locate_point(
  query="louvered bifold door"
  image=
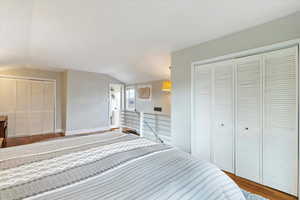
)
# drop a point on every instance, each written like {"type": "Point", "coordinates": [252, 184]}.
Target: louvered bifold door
{"type": "Point", "coordinates": [49, 107]}
{"type": "Point", "coordinates": [223, 115]}
{"type": "Point", "coordinates": [201, 137]}
{"type": "Point", "coordinates": [280, 133]}
{"type": "Point", "coordinates": [23, 94]}
{"type": "Point", "coordinates": [8, 103]}
{"type": "Point", "coordinates": [248, 117]}
{"type": "Point", "coordinates": [37, 107]}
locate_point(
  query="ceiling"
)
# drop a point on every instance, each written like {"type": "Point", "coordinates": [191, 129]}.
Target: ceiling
{"type": "Point", "coordinates": [130, 40]}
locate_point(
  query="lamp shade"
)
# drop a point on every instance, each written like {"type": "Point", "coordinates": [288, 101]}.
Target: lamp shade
{"type": "Point", "coordinates": [166, 86]}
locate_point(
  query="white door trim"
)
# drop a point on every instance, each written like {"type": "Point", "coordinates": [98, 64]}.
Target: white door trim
{"type": "Point", "coordinates": [121, 102]}
{"type": "Point", "coordinates": [249, 52]}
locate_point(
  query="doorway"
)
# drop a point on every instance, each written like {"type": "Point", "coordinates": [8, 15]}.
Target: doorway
{"type": "Point", "coordinates": [115, 104]}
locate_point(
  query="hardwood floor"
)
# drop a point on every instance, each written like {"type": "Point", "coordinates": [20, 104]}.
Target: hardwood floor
{"type": "Point", "coordinates": [10, 142]}
{"type": "Point", "coordinates": [92, 133]}
{"type": "Point", "coordinates": [130, 131]}
{"type": "Point", "coordinates": [259, 189]}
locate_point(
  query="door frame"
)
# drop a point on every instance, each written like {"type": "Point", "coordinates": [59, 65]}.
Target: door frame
{"type": "Point", "coordinates": [122, 99]}
{"type": "Point", "coordinates": [245, 53]}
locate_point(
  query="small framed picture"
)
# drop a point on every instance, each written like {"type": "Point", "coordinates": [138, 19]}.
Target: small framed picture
{"type": "Point", "coordinates": [145, 92]}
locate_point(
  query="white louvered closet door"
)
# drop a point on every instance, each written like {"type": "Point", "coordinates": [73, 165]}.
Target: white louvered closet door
{"type": "Point", "coordinates": [8, 103]}
{"type": "Point", "coordinates": [37, 107]}
{"type": "Point", "coordinates": [23, 93]}
{"type": "Point", "coordinates": [49, 107]}
{"type": "Point", "coordinates": [223, 116]}
{"type": "Point", "coordinates": [29, 105]}
{"type": "Point", "coordinates": [201, 139]}
{"type": "Point", "coordinates": [280, 134]}
{"type": "Point", "coordinates": [248, 118]}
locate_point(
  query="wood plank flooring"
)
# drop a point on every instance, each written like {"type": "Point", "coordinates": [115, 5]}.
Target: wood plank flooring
{"type": "Point", "coordinates": [16, 141]}
{"type": "Point", "coordinates": [259, 189]}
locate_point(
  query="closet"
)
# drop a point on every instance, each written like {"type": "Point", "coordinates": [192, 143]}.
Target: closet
{"type": "Point", "coordinates": [245, 117]}
{"type": "Point", "coordinates": [248, 117]}
{"type": "Point", "coordinates": [222, 116]}
{"type": "Point", "coordinates": [29, 105]}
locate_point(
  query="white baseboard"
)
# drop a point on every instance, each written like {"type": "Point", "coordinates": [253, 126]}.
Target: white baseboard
{"type": "Point", "coordinates": [92, 130]}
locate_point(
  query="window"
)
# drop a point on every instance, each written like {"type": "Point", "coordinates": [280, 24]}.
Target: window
{"type": "Point", "coordinates": [130, 98]}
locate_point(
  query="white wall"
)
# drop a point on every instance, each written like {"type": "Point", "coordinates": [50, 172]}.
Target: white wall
{"type": "Point", "coordinates": [15, 28]}
{"type": "Point", "coordinates": [87, 100]}
{"type": "Point", "coordinates": [273, 32]}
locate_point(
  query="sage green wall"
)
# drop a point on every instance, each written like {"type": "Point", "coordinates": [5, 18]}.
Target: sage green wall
{"type": "Point", "coordinates": [43, 74]}
{"type": "Point", "coordinates": [159, 99]}
{"type": "Point", "coordinates": [87, 100]}
{"type": "Point", "coordinates": [276, 31]}
{"type": "Point", "coordinates": [81, 97]}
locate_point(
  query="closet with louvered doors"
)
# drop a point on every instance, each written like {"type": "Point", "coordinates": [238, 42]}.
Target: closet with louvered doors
{"type": "Point", "coordinates": [42, 107]}
{"type": "Point", "coordinates": [202, 101]}
{"type": "Point", "coordinates": [249, 107]}
{"type": "Point", "coordinates": [29, 106]}
{"type": "Point", "coordinates": [280, 120]}
{"type": "Point", "coordinates": [223, 115]}
{"type": "Point", "coordinates": [214, 113]}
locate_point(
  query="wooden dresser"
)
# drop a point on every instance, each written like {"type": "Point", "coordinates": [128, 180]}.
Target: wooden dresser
{"type": "Point", "coordinates": [3, 133]}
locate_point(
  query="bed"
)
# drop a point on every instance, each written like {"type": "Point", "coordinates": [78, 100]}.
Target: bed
{"type": "Point", "coordinates": [109, 166]}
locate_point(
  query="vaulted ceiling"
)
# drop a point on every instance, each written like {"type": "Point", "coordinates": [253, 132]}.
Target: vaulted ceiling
{"type": "Point", "coordinates": [130, 40]}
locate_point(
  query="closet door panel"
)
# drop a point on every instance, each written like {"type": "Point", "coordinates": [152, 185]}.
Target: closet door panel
{"type": "Point", "coordinates": [48, 122]}
{"type": "Point", "coordinates": [49, 106]}
{"type": "Point", "coordinates": [22, 107]}
{"type": "Point", "coordinates": [37, 96]}
{"type": "Point", "coordinates": [280, 138]}
{"type": "Point", "coordinates": [201, 137]}
{"type": "Point", "coordinates": [223, 122]}
{"type": "Point", "coordinates": [248, 117]}
{"type": "Point", "coordinates": [49, 101]}
{"type": "Point", "coordinates": [37, 107]}
{"type": "Point", "coordinates": [8, 103]}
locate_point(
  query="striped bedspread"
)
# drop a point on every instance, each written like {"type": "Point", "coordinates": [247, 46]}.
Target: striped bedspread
{"type": "Point", "coordinates": [109, 166]}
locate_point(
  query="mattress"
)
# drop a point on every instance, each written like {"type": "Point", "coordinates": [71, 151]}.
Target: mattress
{"type": "Point", "coordinates": [109, 166]}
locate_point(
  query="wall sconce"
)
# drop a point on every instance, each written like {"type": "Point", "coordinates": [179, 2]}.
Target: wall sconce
{"type": "Point", "coordinates": [166, 86]}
